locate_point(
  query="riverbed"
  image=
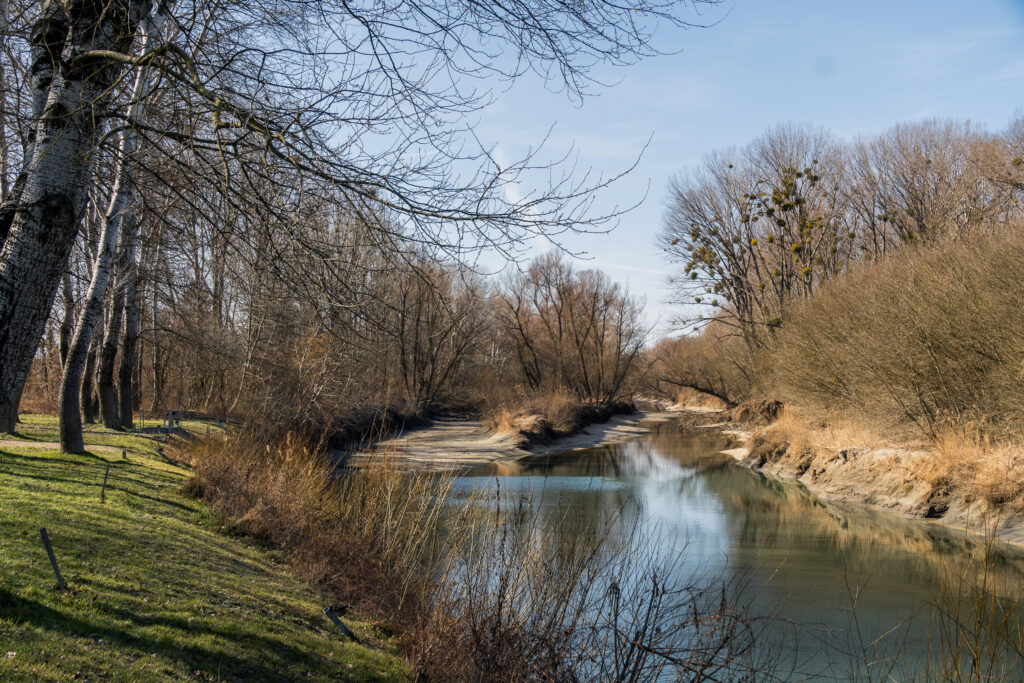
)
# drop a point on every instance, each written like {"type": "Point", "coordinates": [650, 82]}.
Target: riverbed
{"type": "Point", "coordinates": [848, 590]}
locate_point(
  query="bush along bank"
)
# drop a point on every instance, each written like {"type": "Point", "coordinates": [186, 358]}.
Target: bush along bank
{"type": "Point", "coordinates": [474, 588]}
{"type": "Point", "coordinates": [541, 419]}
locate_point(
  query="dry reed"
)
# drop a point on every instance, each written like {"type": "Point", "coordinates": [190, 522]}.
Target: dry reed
{"type": "Point", "coordinates": [476, 587]}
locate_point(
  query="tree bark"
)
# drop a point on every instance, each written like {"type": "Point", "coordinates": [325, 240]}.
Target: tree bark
{"type": "Point", "coordinates": [13, 415]}
{"type": "Point", "coordinates": [108, 356]}
{"type": "Point", "coordinates": [68, 408]}
{"type": "Point", "coordinates": [66, 327]}
{"type": "Point", "coordinates": [125, 392]}
{"type": "Point", "coordinates": [130, 295]}
{"type": "Point", "coordinates": [158, 385]}
{"type": "Point", "coordinates": [89, 403]}
{"type": "Point", "coordinates": [47, 213]}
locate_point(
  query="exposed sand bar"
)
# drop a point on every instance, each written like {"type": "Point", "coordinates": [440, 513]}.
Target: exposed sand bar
{"type": "Point", "coordinates": [453, 444]}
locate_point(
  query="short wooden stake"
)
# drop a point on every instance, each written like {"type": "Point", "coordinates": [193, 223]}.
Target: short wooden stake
{"type": "Point", "coordinates": [103, 491]}
{"type": "Point", "coordinates": [334, 616]}
{"type": "Point", "coordinates": [53, 559]}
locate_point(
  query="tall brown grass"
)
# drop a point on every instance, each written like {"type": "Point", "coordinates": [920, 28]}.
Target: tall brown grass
{"type": "Point", "coordinates": [986, 470]}
{"type": "Point", "coordinates": [476, 587]}
{"type": "Point", "coordinates": [962, 464]}
{"type": "Point", "coordinates": [364, 538]}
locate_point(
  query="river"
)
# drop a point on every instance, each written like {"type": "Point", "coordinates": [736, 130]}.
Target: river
{"type": "Point", "coordinates": [850, 591]}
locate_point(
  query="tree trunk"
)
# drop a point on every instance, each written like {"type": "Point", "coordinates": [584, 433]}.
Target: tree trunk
{"type": "Point", "coordinates": [108, 355]}
{"type": "Point", "coordinates": [13, 416]}
{"type": "Point", "coordinates": [158, 385]}
{"type": "Point", "coordinates": [125, 392]}
{"type": "Point", "coordinates": [89, 403]}
{"type": "Point", "coordinates": [48, 211]}
{"type": "Point", "coordinates": [130, 275]}
{"type": "Point", "coordinates": [68, 404]}
{"type": "Point", "coordinates": [65, 324]}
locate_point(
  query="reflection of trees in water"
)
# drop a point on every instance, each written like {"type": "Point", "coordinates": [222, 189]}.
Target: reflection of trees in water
{"type": "Point", "coordinates": [763, 523]}
{"type": "Point", "coordinates": [762, 512]}
{"type": "Point", "coordinates": [768, 512]}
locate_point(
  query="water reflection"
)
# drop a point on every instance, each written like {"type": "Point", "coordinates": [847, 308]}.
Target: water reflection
{"type": "Point", "coordinates": [847, 577]}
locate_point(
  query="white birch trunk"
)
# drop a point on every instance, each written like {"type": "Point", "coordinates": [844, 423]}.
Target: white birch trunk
{"type": "Point", "coordinates": [69, 408]}
{"type": "Point", "coordinates": [47, 212]}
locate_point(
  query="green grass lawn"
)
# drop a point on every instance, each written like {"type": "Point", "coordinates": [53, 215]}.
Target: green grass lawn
{"type": "Point", "coordinates": [156, 591]}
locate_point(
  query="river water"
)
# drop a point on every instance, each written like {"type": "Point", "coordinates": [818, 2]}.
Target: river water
{"type": "Point", "coordinates": [851, 592]}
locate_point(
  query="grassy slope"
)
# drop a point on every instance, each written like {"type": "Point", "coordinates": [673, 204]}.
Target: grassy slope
{"type": "Point", "coordinates": [156, 591]}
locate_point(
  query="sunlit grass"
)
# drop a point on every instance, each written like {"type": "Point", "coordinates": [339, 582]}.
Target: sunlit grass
{"type": "Point", "coordinates": [156, 589]}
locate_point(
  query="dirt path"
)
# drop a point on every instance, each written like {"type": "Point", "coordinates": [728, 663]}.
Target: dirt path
{"type": "Point", "coordinates": [53, 446]}
{"type": "Point", "coordinates": [451, 443]}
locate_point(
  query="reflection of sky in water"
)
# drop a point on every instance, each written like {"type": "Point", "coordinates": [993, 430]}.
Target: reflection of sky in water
{"type": "Point", "coordinates": [798, 558]}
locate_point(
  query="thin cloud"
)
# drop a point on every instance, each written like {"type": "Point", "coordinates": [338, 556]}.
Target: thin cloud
{"type": "Point", "coordinates": [1010, 73]}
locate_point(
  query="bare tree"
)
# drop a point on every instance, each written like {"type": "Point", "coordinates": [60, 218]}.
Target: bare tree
{"type": "Point", "coordinates": [572, 330]}
{"type": "Point", "coordinates": [757, 228]}
{"type": "Point", "coordinates": [71, 87]}
{"type": "Point", "coordinates": [368, 102]}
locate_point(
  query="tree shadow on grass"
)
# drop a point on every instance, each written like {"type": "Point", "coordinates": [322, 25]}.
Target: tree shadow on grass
{"type": "Point", "coordinates": [277, 657]}
{"type": "Point", "coordinates": [119, 474]}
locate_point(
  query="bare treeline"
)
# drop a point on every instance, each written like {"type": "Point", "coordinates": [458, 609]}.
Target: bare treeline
{"type": "Point", "coordinates": [572, 330]}
{"type": "Point", "coordinates": [348, 342]}
{"type": "Point", "coordinates": [756, 228]}
{"type": "Point", "coordinates": [169, 169]}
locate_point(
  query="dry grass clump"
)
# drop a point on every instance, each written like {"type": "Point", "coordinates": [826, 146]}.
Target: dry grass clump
{"type": "Point", "coordinates": [927, 337]}
{"type": "Point", "coordinates": [757, 411]}
{"type": "Point", "coordinates": [364, 538]}
{"type": "Point", "coordinates": [973, 464]}
{"type": "Point", "coordinates": [544, 417]}
{"type": "Point", "coordinates": [802, 428]}
{"type": "Point", "coordinates": [960, 464]}
{"type": "Point", "coordinates": [692, 398]}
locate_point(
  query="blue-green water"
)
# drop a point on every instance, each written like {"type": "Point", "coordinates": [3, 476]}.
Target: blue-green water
{"type": "Point", "coordinates": [850, 589]}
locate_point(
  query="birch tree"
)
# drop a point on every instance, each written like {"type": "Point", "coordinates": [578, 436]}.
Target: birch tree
{"type": "Point", "coordinates": [72, 81]}
{"type": "Point", "coordinates": [117, 216]}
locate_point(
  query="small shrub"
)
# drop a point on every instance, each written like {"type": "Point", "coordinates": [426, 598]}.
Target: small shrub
{"type": "Point", "coordinates": [542, 418]}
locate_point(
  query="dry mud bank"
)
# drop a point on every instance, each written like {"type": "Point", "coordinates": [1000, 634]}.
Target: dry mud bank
{"type": "Point", "coordinates": [885, 478]}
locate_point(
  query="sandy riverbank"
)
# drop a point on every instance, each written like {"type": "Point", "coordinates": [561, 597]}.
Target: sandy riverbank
{"type": "Point", "coordinates": [453, 443]}
{"type": "Point", "coordinates": [877, 478]}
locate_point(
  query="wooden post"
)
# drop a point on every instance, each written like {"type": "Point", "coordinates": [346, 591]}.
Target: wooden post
{"type": "Point", "coordinates": [333, 616]}
{"type": "Point", "coordinates": [103, 491]}
{"type": "Point", "coordinates": [53, 559]}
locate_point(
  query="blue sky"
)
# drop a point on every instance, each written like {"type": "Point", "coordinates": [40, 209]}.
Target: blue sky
{"type": "Point", "coordinates": [852, 67]}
